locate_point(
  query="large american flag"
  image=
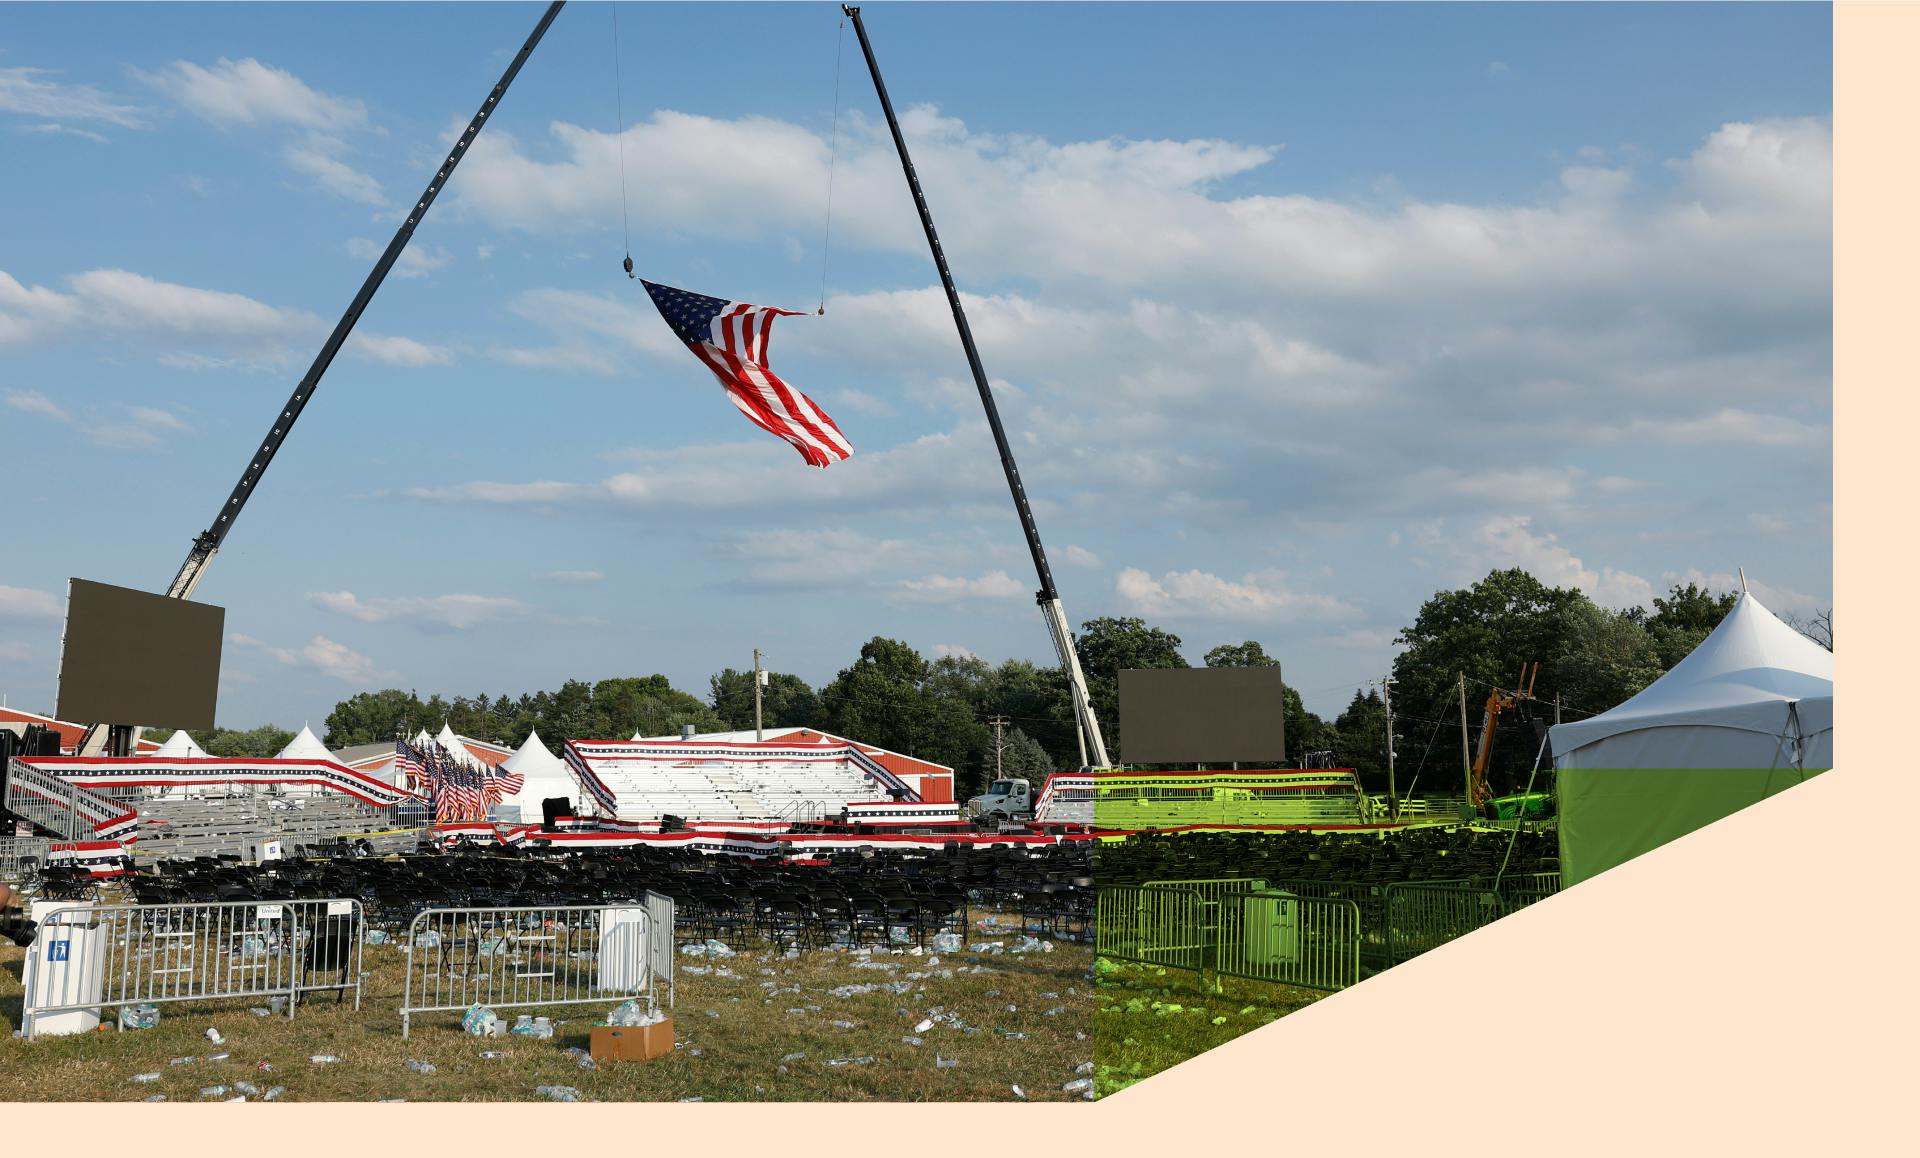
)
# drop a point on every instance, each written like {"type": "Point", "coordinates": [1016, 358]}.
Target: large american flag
{"type": "Point", "coordinates": [731, 338]}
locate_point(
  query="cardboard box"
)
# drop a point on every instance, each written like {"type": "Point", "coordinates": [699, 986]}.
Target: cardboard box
{"type": "Point", "coordinates": [631, 1042]}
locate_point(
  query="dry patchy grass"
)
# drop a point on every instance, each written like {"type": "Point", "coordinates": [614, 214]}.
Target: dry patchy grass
{"type": "Point", "coordinates": [732, 1036]}
{"type": "Point", "coordinates": [1150, 1019]}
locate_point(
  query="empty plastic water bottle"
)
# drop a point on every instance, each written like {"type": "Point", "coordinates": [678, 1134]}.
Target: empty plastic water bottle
{"type": "Point", "coordinates": [1077, 1084]}
{"type": "Point", "coordinates": [222, 1056]}
{"type": "Point", "coordinates": [213, 1091]}
{"type": "Point", "coordinates": [792, 1057]}
{"type": "Point", "coordinates": [273, 1093]}
{"type": "Point", "coordinates": [157, 1098]}
{"type": "Point", "coordinates": [420, 1067]}
{"type": "Point", "coordinates": [183, 1061]}
{"type": "Point", "coordinates": [321, 1059]}
{"type": "Point", "coordinates": [493, 1054]}
{"type": "Point", "coordinates": [843, 1025]}
{"type": "Point", "coordinates": [1019, 1093]}
{"type": "Point", "coordinates": [246, 1087]}
{"type": "Point", "coordinates": [558, 1093]}
{"type": "Point", "coordinates": [913, 1041]}
{"type": "Point", "coordinates": [143, 1078]}
{"type": "Point", "coordinates": [1083, 1068]}
{"type": "Point", "coordinates": [213, 1035]}
{"type": "Point", "coordinates": [139, 1016]}
{"type": "Point", "coordinates": [944, 1063]}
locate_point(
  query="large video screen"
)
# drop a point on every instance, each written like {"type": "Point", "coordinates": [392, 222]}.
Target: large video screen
{"type": "Point", "coordinates": [133, 657]}
{"type": "Point", "coordinates": [1211, 715]}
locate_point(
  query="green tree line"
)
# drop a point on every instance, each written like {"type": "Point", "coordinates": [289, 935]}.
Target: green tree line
{"type": "Point", "coordinates": [938, 709]}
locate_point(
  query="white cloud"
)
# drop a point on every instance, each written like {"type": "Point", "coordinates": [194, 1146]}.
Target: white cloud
{"type": "Point", "coordinates": [574, 576]}
{"type": "Point", "coordinates": [398, 351]}
{"type": "Point", "coordinates": [15, 651]}
{"type": "Point", "coordinates": [247, 92]}
{"type": "Point", "coordinates": [417, 260]}
{"type": "Point", "coordinates": [54, 128]}
{"type": "Point", "coordinates": [1779, 600]}
{"type": "Point", "coordinates": [1262, 597]}
{"type": "Point", "coordinates": [431, 612]}
{"type": "Point", "coordinates": [1510, 541]}
{"type": "Point", "coordinates": [861, 402]}
{"type": "Point", "coordinates": [321, 164]}
{"type": "Point", "coordinates": [1081, 557]}
{"type": "Point", "coordinates": [34, 402]}
{"type": "Point", "coordinates": [958, 588]}
{"type": "Point", "coordinates": [1768, 524]}
{"type": "Point", "coordinates": [27, 90]}
{"type": "Point", "coordinates": [26, 603]}
{"type": "Point", "coordinates": [321, 654]}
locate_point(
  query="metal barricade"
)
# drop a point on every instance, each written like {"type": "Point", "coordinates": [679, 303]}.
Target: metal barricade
{"type": "Point", "coordinates": [90, 956]}
{"type": "Point", "coordinates": [1423, 916]}
{"type": "Point", "coordinates": [661, 918]}
{"type": "Point", "coordinates": [1370, 899]}
{"type": "Point", "coordinates": [1154, 924]}
{"type": "Point", "coordinates": [1289, 940]}
{"type": "Point", "coordinates": [1518, 890]}
{"type": "Point", "coordinates": [524, 957]}
{"type": "Point", "coordinates": [21, 857]}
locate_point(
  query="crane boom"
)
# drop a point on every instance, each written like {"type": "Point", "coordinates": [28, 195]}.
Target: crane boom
{"type": "Point", "coordinates": [1093, 745]}
{"type": "Point", "coordinates": [207, 543]}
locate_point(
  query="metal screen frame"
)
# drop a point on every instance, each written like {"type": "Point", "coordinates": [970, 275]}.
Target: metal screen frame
{"type": "Point", "coordinates": [216, 951]}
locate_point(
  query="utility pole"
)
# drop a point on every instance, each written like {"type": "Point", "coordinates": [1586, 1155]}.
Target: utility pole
{"type": "Point", "coordinates": [999, 746]}
{"type": "Point", "coordinates": [759, 681]}
{"type": "Point", "coordinates": [1466, 748]}
{"type": "Point", "coordinates": [1393, 795]}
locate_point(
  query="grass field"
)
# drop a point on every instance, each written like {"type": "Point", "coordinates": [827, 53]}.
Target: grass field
{"type": "Point", "coordinates": [1150, 1019]}
{"type": "Point", "coordinates": [733, 1031]}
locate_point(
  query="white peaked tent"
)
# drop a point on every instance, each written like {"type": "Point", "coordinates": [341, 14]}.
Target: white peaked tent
{"type": "Point", "coordinates": [305, 746]}
{"type": "Point", "coordinates": [546, 776]}
{"type": "Point", "coordinates": [446, 739]}
{"type": "Point", "coordinates": [1747, 714]}
{"type": "Point", "coordinates": [180, 746]}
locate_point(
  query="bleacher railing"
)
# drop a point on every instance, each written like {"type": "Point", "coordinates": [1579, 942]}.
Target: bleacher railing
{"type": "Point", "coordinates": [89, 956]}
{"type": "Point", "coordinates": [534, 957]}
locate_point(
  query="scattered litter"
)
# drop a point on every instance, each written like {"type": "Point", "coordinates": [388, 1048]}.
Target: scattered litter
{"type": "Point", "coordinates": [558, 1093]}
{"type": "Point", "coordinates": [924, 1026]}
{"type": "Point", "coordinates": [945, 1063]}
{"type": "Point", "coordinates": [585, 1061]}
{"type": "Point", "coordinates": [213, 1035]}
{"type": "Point", "coordinates": [1056, 1011]}
{"type": "Point", "coordinates": [246, 1087]}
{"type": "Point", "coordinates": [987, 947]}
{"type": "Point", "coordinates": [143, 1078]}
{"type": "Point", "coordinates": [1076, 1085]}
{"type": "Point", "coordinates": [428, 940]}
{"type": "Point", "coordinates": [1219, 1021]}
{"type": "Point", "coordinates": [261, 1011]}
{"type": "Point", "coordinates": [843, 1025]}
{"type": "Point", "coordinates": [1083, 1068]}
{"type": "Point", "coordinates": [157, 1098]}
{"type": "Point", "coordinates": [223, 1056]}
{"type": "Point", "coordinates": [946, 942]}
{"type": "Point", "coordinates": [479, 1021]}
{"type": "Point", "coordinates": [1010, 1036]}
{"type": "Point", "coordinates": [213, 1091]}
{"type": "Point", "coordinates": [139, 1016]}
{"type": "Point", "coordinates": [792, 1057]}
{"type": "Point", "coordinates": [273, 1093]}
{"type": "Point", "coordinates": [183, 1061]}
{"type": "Point", "coordinates": [1019, 1093]}
{"type": "Point", "coordinates": [913, 1041]}
{"type": "Point", "coordinates": [376, 936]}
{"type": "Point", "coordinates": [850, 1061]}
{"type": "Point", "coordinates": [321, 1059]}
{"type": "Point", "coordinates": [420, 1067]}
{"type": "Point", "coordinates": [493, 1054]}
{"type": "Point", "coordinates": [696, 1099]}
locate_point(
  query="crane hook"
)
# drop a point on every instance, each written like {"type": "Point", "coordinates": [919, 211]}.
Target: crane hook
{"type": "Point", "coordinates": [628, 265]}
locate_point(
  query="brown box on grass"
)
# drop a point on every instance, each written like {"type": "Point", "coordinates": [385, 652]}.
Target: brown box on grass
{"type": "Point", "coordinates": [631, 1042]}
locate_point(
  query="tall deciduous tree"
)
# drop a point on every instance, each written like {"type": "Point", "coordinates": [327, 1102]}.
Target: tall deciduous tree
{"type": "Point", "coordinates": [1684, 617]}
{"type": "Point", "coordinates": [786, 702]}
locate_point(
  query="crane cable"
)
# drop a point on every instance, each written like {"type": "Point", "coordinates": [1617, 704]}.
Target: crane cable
{"type": "Point", "coordinates": [833, 152]}
{"type": "Point", "coordinates": [620, 137]}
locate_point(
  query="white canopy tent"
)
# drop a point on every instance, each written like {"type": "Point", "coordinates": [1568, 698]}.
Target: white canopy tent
{"type": "Point", "coordinates": [1747, 714]}
{"type": "Point", "coordinates": [180, 746]}
{"type": "Point", "coordinates": [305, 746]}
{"type": "Point", "coordinates": [546, 776]}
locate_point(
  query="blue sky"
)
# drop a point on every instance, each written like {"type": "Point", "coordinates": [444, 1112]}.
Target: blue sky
{"type": "Point", "coordinates": [1298, 314]}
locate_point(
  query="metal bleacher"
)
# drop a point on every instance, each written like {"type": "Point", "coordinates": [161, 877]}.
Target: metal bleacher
{"type": "Point", "coordinates": [183, 827]}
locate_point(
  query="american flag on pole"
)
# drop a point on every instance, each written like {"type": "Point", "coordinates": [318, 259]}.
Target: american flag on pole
{"type": "Point", "coordinates": [408, 765]}
{"type": "Point", "coordinates": [731, 338]}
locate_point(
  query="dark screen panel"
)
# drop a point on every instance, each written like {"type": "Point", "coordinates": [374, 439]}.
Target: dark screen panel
{"type": "Point", "coordinates": [133, 657]}
{"type": "Point", "coordinates": [1203, 715]}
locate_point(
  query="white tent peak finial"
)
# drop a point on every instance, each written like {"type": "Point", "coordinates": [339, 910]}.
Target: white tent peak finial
{"type": "Point", "coordinates": [1743, 579]}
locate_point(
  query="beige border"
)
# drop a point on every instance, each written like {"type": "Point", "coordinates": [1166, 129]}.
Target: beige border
{"type": "Point", "coordinates": [1758, 1009]}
